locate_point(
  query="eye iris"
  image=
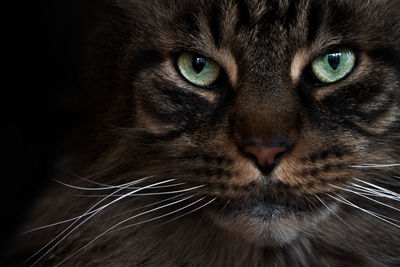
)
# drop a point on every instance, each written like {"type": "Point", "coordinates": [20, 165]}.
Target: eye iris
{"type": "Point", "coordinates": [198, 64]}
{"type": "Point", "coordinates": [333, 66]}
{"type": "Point", "coordinates": [334, 60]}
{"type": "Point", "coordinates": [197, 69]}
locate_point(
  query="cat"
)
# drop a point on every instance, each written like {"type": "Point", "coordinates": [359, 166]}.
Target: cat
{"type": "Point", "coordinates": [230, 133]}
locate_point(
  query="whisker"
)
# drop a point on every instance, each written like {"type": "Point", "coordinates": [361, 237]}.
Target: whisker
{"type": "Point", "coordinates": [376, 165]}
{"type": "Point", "coordinates": [369, 189]}
{"type": "Point", "coordinates": [150, 194]}
{"type": "Point", "coordinates": [93, 211]}
{"type": "Point", "coordinates": [386, 217]}
{"type": "Point", "coordinates": [146, 206]}
{"type": "Point", "coordinates": [334, 213]}
{"type": "Point", "coordinates": [195, 229]}
{"type": "Point", "coordinates": [372, 192]}
{"type": "Point", "coordinates": [58, 223]}
{"type": "Point", "coordinates": [102, 208]}
{"type": "Point", "coordinates": [190, 212]}
{"type": "Point", "coordinates": [379, 187]}
{"type": "Point", "coordinates": [368, 211]}
{"type": "Point", "coordinates": [95, 189]}
{"type": "Point", "coordinates": [345, 201]}
{"type": "Point", "coordinates": [108, 196]}
{"type": "Point", "coordinates": [87, 212]}
{"type": "Point", "coordinates": [77, 218]}
{"type": "Point", "coordinates": [165, 186]}
{"type": "Point", "coordinates": [309, 203]}
{"type": "Point", "coordinates": [226, 204]}
{"type": "Point", "coordinates": [374, 200]}
{"type": "Point", "coordinates": [161, 216]}
{"type": "Point", "coordinates": [108, 185]}
{"type": "Point", "coordinates": [116, 225]}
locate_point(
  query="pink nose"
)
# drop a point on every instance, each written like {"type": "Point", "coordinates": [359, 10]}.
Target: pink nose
{"type": "Point", "coordinates": [265, 156]}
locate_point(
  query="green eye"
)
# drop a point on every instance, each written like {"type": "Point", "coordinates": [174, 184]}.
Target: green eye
{"type": "Point", "coordinates": [197, 69]}
{"type": "Point", "coordinates": [333, 66]}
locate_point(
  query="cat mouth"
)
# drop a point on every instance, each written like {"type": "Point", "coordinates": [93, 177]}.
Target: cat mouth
{"type": "Point", "coordinates": [268, 221]}
{"type": "Point", "coordinates": [265, 211]}
{"type": "Point", "coordinates": [264, 224]}
{"type": "Point", "coordinates": [269, 206]}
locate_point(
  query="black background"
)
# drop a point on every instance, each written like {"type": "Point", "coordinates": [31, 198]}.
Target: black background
{"type": "Point", "coordinates": [41, 43]}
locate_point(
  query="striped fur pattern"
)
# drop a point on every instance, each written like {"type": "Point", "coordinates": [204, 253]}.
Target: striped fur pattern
{"type": "Point", "coordinates": [158, 177]}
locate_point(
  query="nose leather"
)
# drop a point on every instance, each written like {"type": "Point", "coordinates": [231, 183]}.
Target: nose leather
{"type": "Point", "coordinates": [265, 155]}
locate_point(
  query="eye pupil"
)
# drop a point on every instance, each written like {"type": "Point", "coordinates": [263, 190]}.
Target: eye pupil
{"type": "Point", "coordinates": [198, 63]}
{"type": "Point", "coordinates": [334, 60]}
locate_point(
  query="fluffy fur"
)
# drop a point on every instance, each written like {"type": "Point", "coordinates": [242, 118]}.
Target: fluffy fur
{"type": "Point", "coordinates": [333, 199]}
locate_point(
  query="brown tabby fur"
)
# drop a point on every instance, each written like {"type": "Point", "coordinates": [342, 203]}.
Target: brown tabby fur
{"type": "Point", "coordinates": [146, 121]}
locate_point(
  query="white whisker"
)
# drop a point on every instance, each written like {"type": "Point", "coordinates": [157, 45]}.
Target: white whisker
{"type": "Point", "coordinates": [60, 222]}
{"type": "Point", "coordinates": [102, 208]}
{"type": "Point", "coordinates": [96, 189]}
{"type": "Point", "coordinates": [165, 186]}
{"type": "Point", "coordinates": [226, 204]}
{"type": "Point", "coordinates": [116, 225]}
{"type": "Point", "coordinates": [372, 192]}
{"type": "Point", "coordinates": [345, 201]}
{"type": "Point", "coordinates": [87, 212]}
{"type": "Point", "coordinates": [93, 211]}
{"type": "Point", "coordinates": [76, 219]}
{"type": "Point", "coordinates": [334, 213]}
{"type": "Point", "coordinates": [146, 206]}
{"type": "Point", "coordinates": [108, 185]}
{"type": "Point", "coordinates": [376, 165]}
{"type": "Point", "coordinates": [109, 196]}
{"type": "Point", "coordinates": [180, 216]}
{"type": "Point", "coordinates": [150, 194]}
{"type": "Point", "coordinates": [381, 188]}
{"type": "Point", "coordinates": [161, 216]}
{"type": "Point", "coordinates": [361, 195]}
{"type": "Point", "coordinates": [369, 189]}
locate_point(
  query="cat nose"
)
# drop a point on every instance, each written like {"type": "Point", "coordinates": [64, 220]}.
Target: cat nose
{"type": "Point", "coordinates": [266, 156]}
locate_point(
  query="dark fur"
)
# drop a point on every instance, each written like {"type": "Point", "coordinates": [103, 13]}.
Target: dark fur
{"type": "Point", "coordinates": [143, 123]}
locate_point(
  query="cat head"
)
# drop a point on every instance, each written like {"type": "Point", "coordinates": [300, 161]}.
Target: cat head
{"type": "Point", "coordinates": [278, 115]}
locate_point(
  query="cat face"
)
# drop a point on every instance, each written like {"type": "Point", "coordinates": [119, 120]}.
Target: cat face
{"type": "Point", "coordinates": [277, 114]}
{"type": "Point", "coordinates": [235, 132]}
